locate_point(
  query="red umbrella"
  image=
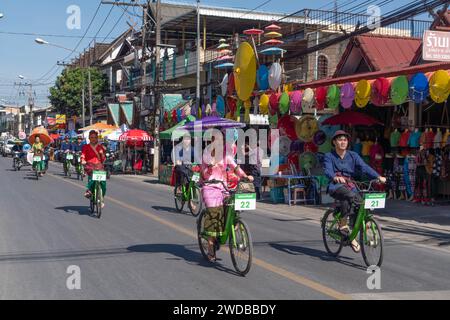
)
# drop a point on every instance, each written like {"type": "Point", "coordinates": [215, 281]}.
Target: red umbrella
{"type": "Point", "coordinates": [253, 32]}
{"type": "Point", "coordinates": [352, 118]}
{"type": "Point", "coordinates": [135, 135]}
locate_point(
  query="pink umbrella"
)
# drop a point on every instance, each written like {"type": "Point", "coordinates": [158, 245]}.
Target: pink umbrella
{"type": "Point", "coordinates": [226, 57]}
{"type": "Point", "coordinates": [296, 102]}
{"type": "Point", "coordinates": [272, 27]}
{"type": "Point", "coordinates": [273, 42]}
{"type": "Point", "coordinates": [135, 135]}
{"type": "Point", "coordinates": [253, 32]}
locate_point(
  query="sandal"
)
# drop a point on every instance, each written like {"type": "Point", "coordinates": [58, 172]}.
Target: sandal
{"type": "Point", "coordinates": [88, 194]}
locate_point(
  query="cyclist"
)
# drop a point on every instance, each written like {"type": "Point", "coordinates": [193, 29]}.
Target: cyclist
{"type": "Point", "coordinates": [215, 168]}
{"type": "Point", "coordinates": [38, 149]}
{"type": "Point", "coordinates": [93, 157]}
{"type": "Point", "coordinates": [77, 148]}
{"type": "Point", "coordinates": [66, 147]}
{"type": "Point", "coordinates": [182, 158]}
{"type": "Point", "coordinates": [341, 166]}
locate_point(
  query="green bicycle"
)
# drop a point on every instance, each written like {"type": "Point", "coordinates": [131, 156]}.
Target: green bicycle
{"type": "Point", "coordinates": [79, 167]}
{"type": "Point", "coordinates": [236, 231]}
{"type": "Point", "coordinates": [37, 166]}
{"type": "Point", "coordinates": [190, 194]}
{"type": "Point", "coordinates": [96, 199]}
{"type": "Point", "coordinates": [68, 164]}
{"type": "Point", "coordinates": [369, 230]}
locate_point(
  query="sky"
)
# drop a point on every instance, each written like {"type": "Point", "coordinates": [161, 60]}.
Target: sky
{"type": "Point", "coordinates": [20, 55]}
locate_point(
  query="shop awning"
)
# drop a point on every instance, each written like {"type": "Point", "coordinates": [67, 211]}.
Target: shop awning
{"type": "Point", "coordinates": [114, 110]}
{"type": "Point", "coordinates": [428, 67]}
{"type": "Point", "coordinates": [127, 109]}
{"type": "Point", "coordinates": [173, 133]}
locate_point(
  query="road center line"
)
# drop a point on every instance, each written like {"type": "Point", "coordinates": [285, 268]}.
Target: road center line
{"type": "Point", "coordinates": [261, 263]}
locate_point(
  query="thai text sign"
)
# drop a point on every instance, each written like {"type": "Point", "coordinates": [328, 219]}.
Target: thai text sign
{"type": "Point", "coordinates": [436, 46]}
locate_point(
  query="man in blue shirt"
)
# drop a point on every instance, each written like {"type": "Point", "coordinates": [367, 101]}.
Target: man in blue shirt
{"type": "Point", "coordinates": [66, 147]}
{"type": "Point", "coordinates": [76, 147]}
{"type": "Point", "coordinates": [341, 167]}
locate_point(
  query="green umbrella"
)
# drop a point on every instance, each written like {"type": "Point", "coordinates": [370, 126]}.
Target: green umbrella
{"type": "Point", "coordinates": [284, 103]}
{"type": "Point", "coordinates": [333, 96]}
{"type": "Point", "coordinates": [399, 90]}
{"type": "Point", "coordinates": [173, 133]}
{"type": "Point", "coordinates": [308, 160]}
{"type": "Point", "coordinates": [273, 120]}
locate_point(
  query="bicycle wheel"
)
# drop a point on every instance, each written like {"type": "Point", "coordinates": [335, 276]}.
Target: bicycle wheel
{"type": "Point", "coordinates": [196, 203]}
{"type": "Point", "coordinates": [372, 247]}
{"type": "Point", "coordinates": [99, 200]}
{"type": "Point", "coordinates": [178, 197]}
{"type": "Point", "coordinates": [37, 173]}
{"type": "Point", "coordinates": [202, 239]}
{"type": "Point", "coordinates": [332, 238]}
{"type": "Point", "coordinates": [241, 250]}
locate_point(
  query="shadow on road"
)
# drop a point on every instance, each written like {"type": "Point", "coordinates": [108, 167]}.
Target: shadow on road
{"type": "Point", "coordinates": [168, 209]}
{"type": "Point", "coordinates": [322, 255]}
{"type": "Point", "coordinates": [153, 182]}
{"type": "Point", "coordinates": [180, 251]}
{"type": "Point", "coordinates": [81, 210]}
{"type": "Point", "coordinates": [444, 237]}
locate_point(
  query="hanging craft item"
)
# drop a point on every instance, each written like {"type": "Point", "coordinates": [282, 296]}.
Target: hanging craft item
{"type": "Point", "coordinates": [308, 160]}
{"type": "Point", "coordinates": [264, 101]}
{"type": "Point", "coordinates": [319, 138]}
{"type": "Point", "coordinates": [224, 85]}
{"type": "Point", "coordinates": [245, 71]}
{"type": "Point", "coordinates": [380, 91]}
{"type": "Point", "coordinates": [275, 76]}
{"type": "Point", "coordinates": [262, 78]}
{"type": "Point", "coordinates": [273, 34]}
{"type": "Point", "coordinates": [286, 125]}
{"type": "Point", "coordinates": [272, 27]}
{"type": "Point", "coordinates": [231, 84]}
{"type": "Point", "coordinates": [347, 95]}
{"type": "Point", "coordinates": [232, 106]}
{"type": "Point", "coordinates": [253, 32]}
{"type": "Point", "coordinates": [284, 103]}
{"type": "Point", "coordinates": [308, 99]}
{"type": "Point", "coordinates": [399, 90]}
{"type": "Point", "coordinates": [418, 87]}
{"type": "Point", "coordinates": [439, 86]}
{"type": "Point", "coordinates": [273, 51]}
{"type": "Point", "coordinates": [247, 107]}
{"type": "Point", "coordinates": [220, 106]}
{"type": "Point", "coordinates": [284, 145]}
{"type": "Point", "coordinates": [362, 93]}
{"type": "Point", "coordinates": [333, 96]}
{"type": "Point", "coordinates": [306, 128]}
{"type": "Point", "coordinates": [274, 103]}
{"type": "Point", "coordinates": [273, 42]}
{"type": "Point", "coordinates": [296, 102]}
{"type": "Point", "coordinates": [297, 146]}
{"type": "Point", "coordinates": [321, 97]}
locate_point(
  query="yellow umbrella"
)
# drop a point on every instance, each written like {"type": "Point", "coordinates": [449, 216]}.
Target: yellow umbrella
{"type": "Point", "coordinates": [362, 93]}
{"type": "Point", "coordinates": [245, 71]}
{"type": "Point", "coordinates": [439, 84]}
{"type": "Point", "coordinates": [264, 104]}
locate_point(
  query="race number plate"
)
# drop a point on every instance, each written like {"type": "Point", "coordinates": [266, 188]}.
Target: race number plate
{"type": "Point", "coordinates": [99, 176]}
{"type": "Point", "coordinates": [196, 177]}
{"type": "Point", "coordinates": [245, 201]}
{"type": "Point", "coordinates": [69, 157]}
{"type": "Point", "coordinates": [375, 201]}
{"type": "Point", "coordinates": [36, 159]}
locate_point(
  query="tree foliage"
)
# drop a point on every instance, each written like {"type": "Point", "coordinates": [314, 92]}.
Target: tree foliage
{"type": "Point", "coordinates": [66, 94]}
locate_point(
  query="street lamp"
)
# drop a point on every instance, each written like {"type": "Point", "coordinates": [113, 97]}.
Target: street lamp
{"type": "Point", "coordinates": [42, 41]}
{"type": "Point", "coordinates": [21, 77]}
{"type": "Point", "coordinates": [1, 15]}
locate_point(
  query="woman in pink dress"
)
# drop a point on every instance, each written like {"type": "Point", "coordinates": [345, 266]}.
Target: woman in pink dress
{"type": "Point", "coordinates": [214, 167]}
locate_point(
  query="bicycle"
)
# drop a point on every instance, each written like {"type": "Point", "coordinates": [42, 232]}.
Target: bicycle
{"type": "Point", "coordinates": [364, 224]}
{"type": "Point", "coordinates": [37, 165]}
{"type": "Point", "coordinates": [190, 194]}
{"type": "Point", "coordinates": [79, 167]}
{"type": "Point", "coordinates": [67, 164]}
{"type": "Point", "coordinates": [96, 198]}
{"type": "Point", "coordinates": [236, 231]}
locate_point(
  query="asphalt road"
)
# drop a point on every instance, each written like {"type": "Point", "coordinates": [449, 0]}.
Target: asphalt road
{"type": "Point", "coordinates": [142, 249]}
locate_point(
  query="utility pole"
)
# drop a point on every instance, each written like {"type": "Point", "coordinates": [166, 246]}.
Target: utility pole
{"type": "Point", "coordinates": [197, 100]}
{"type": "Point", "coordinates": [30, 101]}
{"type": "Point", "coordinates": [156, 91]}
{"type": "Point", "coordinates": [90, 98]}
{"type": "Point", "coordinates": [144, 59]}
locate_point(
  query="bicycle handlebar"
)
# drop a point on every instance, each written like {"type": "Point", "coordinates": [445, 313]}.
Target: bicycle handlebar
{"type": "Point", "coordinates": [223, 184]}
{"type": "Point", "coordinates": [369, 187]}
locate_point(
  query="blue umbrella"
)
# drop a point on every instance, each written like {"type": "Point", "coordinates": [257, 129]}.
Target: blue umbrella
{"type": "Point", "coordinates": [418, 87]}
{"type": "Point", "coordinates": [227, 65]}
{"type": "Point", "coordinates": [273, 51]}
{"type": "Point", "coordinates": [262, 77]}
{"type": "Point", "coordinates": [220, 106]}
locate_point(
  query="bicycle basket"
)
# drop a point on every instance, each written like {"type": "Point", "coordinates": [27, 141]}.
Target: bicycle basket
{"type": "Point", "coordinates": [245, 187]}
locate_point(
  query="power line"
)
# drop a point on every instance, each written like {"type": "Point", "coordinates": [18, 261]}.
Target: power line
{"type": "Point", "coordinates": [43, 35]}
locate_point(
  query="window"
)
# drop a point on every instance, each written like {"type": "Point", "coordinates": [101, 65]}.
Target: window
{"type": "Point", "coordinates": [322, 67]}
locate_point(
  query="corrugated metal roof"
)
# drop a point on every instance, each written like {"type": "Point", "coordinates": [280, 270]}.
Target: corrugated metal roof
{"type": "Point", "coordinates": [381, 53]}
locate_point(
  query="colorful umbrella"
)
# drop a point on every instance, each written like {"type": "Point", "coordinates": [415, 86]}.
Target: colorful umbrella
{"type": "Point", "coordinates": [362, 93]}
{"type": "Point", "coordinates": [273, 42]}
{"type": "Point", "coordinates": [223, 46]}
{"type": "Point", "coordinates": [43, 135]}
{"type": "Point", "coordinates": [321, 97]}
{"type": "Point", "coordinates": [296, 102]}
{"type": "Point", "coordinates": [352, 118]}
{"type": "Point", "coordinates": [264, 101]}
{"type": "Point", "coordinates": [284, 103]}
{"type": "Point", "coordinates": [333, 96]}
{"type": "Point", "coordinates": [227, 65]}
{"type": "Point", "coordinates": [273, 34]}
{"type": "Point", "coordinates": [272, 27]}
{"type": "Point", "coordinates": [418, 87]}
{"type": "Point", "coordinates": [284, 145]}
{"type": "Point", "coordinates": [308, 160]}
{"type": "Point", "coordinates": [274, 103]}
{"type": "Point", "coordinates": [245, 71]}
{"type": "Point", "coordinates": [286, 124]}
{"type": "Point", "coordinates": [99, 127]}
{"type": "Point", "coordinates": [135, 135]}
{"type": "Point", "coordinates": [272, 51]}
{"type": "Point", "coordinates": [253, 32]}
{"type": "Point", "coordinates": [273, 120]}
{"type": "Point", "coordinates": [347, 95]}
{"type": "Point", "coordinates": [308, 99]}
{"type": "Point", "coordinates": [399, 90]}
{"type": "Point", "coordinates": [439, 84]}
{"type": "Point", "coordinates": [220, 106]}
{"type": "Point", "coordinates": [262, 77]}
{"type": "Point", "coordinates": [380, 91]}
{"type": "Point", "coordinates": [306, 128]}
{"type": "Point", "coordinates": [297, 146]}
{"type": "Point", "coordinates": [275, 76]}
